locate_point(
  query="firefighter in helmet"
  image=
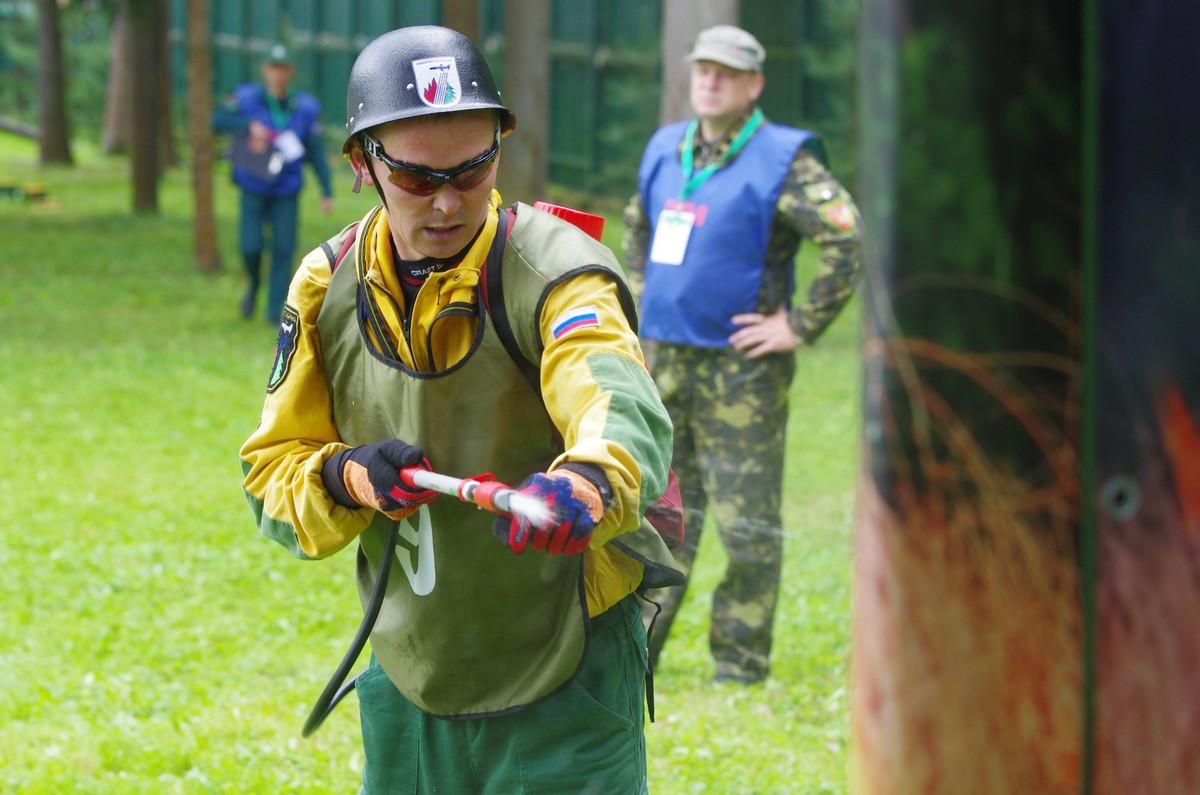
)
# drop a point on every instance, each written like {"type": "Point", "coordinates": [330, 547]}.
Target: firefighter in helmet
{"type": "Point", "coordinates": [506, 656]}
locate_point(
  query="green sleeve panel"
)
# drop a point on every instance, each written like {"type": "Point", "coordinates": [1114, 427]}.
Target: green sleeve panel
{"type": "Point", "coordinates": [636, 419]}
{"type": "Point", "coordinates": [280, 532]}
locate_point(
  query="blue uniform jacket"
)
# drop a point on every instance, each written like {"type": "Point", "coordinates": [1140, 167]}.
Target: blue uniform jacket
{"type": "Point", "coordinates": [248, 103]}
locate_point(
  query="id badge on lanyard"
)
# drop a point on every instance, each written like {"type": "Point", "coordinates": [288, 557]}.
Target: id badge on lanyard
{"type": "Point", "coordinates": [671, 235]}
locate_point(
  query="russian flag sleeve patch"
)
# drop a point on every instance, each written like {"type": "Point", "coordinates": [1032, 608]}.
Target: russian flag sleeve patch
{"type": "Point", "coordinates": [573, 320]}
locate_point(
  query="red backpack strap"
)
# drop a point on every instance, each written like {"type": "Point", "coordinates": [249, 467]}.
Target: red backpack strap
{"type": "Point", "coordinates": [335, 259]}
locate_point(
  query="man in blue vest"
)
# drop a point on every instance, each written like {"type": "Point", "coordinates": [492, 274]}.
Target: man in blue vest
{"type": "Point", "coordinates": [275, 131]}
{"type": "Point", "coordinates": [724, 201]}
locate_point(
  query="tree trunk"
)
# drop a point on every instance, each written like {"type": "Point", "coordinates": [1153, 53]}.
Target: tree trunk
{"type": "Point", "coordinates": [117, 104]}
{"type": "Point", "coordinates": [52, 110]}
{"type": "Point", "coordinates": [527, 64]}
{"type": "Point", "coordinates": [167, 154]}
{"type": "Point", "coordinates": [463, 16]}
{"type": "Point", "coordinates": [145, 110]}
{"type": "Point", "coordinates": [200, 135]}
{"type": "Point", "coordinates": [969, 673]}
{"type": "Point", "coordinates": [682, 20]}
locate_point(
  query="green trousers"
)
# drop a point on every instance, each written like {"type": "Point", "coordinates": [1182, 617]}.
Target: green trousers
{"type": "Point", "coordinates": [587, 738]}
{"type": "Point", "coordinates": [281, 213]}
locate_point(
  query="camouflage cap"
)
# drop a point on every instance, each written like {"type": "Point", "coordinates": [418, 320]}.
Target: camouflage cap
{"type": "Point", "coordinates": [731, 46]}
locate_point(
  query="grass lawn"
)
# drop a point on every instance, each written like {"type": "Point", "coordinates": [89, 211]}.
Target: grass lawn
{"type": "Point", "coordinates": [152, 642]}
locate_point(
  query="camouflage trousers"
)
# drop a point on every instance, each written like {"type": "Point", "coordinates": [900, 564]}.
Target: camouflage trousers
{"type": "Point", "coordinates": [730, 417]}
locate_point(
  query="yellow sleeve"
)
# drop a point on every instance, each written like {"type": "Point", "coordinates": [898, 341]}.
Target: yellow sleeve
{"type": "Point", "coordinates": [600, 396]}
{"type": "Point", "coordinates": [282, 459]}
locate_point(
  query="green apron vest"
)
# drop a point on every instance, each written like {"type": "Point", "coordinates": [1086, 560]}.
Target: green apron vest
{"type": "Point", "coordinates": [467, 628]}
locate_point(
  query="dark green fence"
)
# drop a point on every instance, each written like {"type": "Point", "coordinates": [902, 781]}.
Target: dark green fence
{"type": "Point", "coordinates": [606, 80]}
{"type": "Point", "coordinates": [605, 67]}
{"type": "Point", "coordinates": [324, 37]}
{"type": "Point", "coordinates": [18, 61]}
{"type": "Point", "coordinates": [811, 50]}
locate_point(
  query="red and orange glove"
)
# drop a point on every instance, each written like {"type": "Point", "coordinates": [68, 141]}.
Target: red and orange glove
{"type": "Point", "coordinates": [369, 476]}
{"type": "Point", "coordinates": [576, 502]}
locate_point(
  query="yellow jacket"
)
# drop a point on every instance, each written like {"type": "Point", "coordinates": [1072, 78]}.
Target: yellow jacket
{"type": "Point", "coordinates": [282, 460]}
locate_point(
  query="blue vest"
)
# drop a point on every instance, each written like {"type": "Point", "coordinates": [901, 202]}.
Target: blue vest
{"type": "Point", "coordinates": [721, 272]}
{"type": "Point", "coordinates": [252, 105]}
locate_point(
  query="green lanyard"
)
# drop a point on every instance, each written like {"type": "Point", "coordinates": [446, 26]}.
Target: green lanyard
{"type": "Point", "coordinates": [279, 117]}
{"type": "Point", "coordinates": [693, 180]}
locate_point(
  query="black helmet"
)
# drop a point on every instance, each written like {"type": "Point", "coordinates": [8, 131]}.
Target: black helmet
{"type": "Point", "coordinates": [416, 71]}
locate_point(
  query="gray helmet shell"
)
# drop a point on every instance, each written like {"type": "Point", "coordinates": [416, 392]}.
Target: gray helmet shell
{"type": "Point", "coordinates": [417, 71]}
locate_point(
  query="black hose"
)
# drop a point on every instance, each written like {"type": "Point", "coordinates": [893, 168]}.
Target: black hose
{"type": "Point", "coordinates": [335, 691]}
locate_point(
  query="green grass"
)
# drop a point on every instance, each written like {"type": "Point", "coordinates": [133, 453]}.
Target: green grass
{"type": "Point", "coordinates": [152, 642]}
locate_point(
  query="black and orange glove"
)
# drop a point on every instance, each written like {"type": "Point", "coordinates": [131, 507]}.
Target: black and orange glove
{"type": "Point", "coordinates": [576, 502]}
{"type": "Point", "coordinates": [369, 476]}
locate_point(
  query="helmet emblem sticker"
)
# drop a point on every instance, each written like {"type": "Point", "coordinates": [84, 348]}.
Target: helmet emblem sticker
{"type": "Point", "coordinates": [437, 79]}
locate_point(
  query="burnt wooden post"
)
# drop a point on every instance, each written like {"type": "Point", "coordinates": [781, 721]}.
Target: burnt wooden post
{"type": "Point", "coordinates": [1028, 543]}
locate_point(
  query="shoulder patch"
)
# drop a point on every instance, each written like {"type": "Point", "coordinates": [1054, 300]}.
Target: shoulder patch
{"type": "Point", "coordinates": [837, 213]}
{"type": "Point", "coordinates": [573, 320]}
{"type": "Point", "coordinates": [285, 347]}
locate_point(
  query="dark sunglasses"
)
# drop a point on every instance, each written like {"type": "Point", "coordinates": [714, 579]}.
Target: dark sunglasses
{"type": "Point", "coordinates": [423, 181]}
